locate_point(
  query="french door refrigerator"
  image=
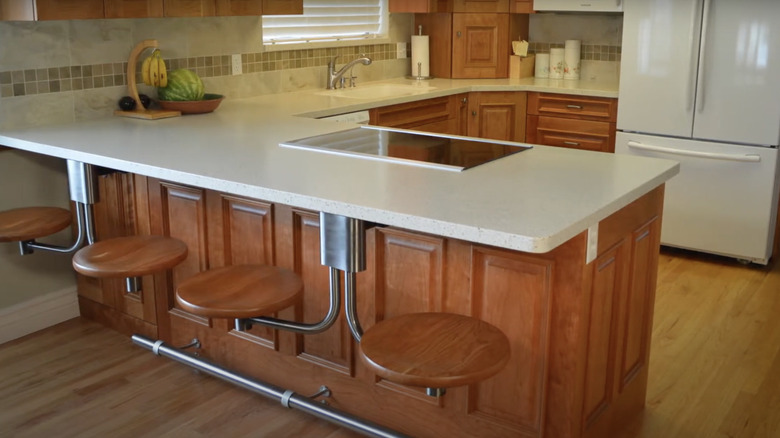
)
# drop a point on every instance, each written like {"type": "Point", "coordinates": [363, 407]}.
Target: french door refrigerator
{"type": "Point", "coordinates": [700, 84]}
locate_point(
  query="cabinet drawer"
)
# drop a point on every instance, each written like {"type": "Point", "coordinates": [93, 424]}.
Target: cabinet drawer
{"type": "Point", "coordinates": [577, 107]}
{"type": "Point", "coordinates": [576, 134]}
{"type": "Point", "coordinates": [412, 114]}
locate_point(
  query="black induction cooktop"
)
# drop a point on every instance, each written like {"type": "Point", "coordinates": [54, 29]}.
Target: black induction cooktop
{"type": "Point", "coordinates": [410, 147]}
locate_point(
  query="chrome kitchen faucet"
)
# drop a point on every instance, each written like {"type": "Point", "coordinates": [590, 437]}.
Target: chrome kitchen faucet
{"type": "Point", "coordinates": [334, 75]}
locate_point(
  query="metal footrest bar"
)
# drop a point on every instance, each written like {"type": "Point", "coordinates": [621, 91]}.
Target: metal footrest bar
{"type": "Point", "coordinates": [287, 397]}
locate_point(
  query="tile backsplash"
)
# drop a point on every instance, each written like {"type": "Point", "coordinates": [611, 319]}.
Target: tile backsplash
{"type": "Point", "coordinates": [59, 71]}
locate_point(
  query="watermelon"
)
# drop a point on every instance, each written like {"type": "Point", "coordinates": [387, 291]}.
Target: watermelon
{"type": "Point", "coordinates": [183, 85]}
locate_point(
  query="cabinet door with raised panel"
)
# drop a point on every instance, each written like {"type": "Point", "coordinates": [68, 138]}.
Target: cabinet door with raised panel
{"type": "Point", "coordinates": [480, 45]}
{"type": "Point", "coordinates": [481, 6]}
{"type": "Point", "coordinates": [133, 8]}
{"type": "Point", "coordinates": [499, 115]}
{"type": "Point", "coordinates": [68, 9]}
{"type": "Point", "coordinates": [189, 8]}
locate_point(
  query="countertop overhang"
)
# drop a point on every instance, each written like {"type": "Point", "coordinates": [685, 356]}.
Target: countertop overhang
{"type": "Point", "coordinates": [530, 202]}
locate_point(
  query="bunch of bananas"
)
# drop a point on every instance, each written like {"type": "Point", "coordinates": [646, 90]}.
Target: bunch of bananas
{"type": "Point", "coordinates": [153, 71]}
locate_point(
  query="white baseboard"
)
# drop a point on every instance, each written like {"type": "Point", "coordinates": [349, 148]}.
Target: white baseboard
{"type": "Point", "coordinates": [38, 313]}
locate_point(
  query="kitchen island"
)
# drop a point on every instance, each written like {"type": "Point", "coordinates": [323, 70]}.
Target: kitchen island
{"type": "Point", "coordinates": [556, 247]}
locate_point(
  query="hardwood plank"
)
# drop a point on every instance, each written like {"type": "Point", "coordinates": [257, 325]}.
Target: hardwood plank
{"type": "Point", "coordinates": [82, 379]}
{"type": "Point", "coordinates": [714, 371]}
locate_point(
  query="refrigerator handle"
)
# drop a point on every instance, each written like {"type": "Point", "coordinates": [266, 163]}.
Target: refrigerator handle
{"type": "Point", "coordinates": [702, 56]}
{"type": "Point", "coordinates": [690, 92]}
{"type": "Point", "coordinates": [750, 158]}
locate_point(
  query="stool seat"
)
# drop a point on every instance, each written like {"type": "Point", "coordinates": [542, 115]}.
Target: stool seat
{"type": "Point", "coordinates": [240, 291]}
{"type": "Point", "coordinates": [131, 256]}
{"type": "Point", "coordinates": [434, 350]}
{"type": "Point", "coordinates": [29, 223]}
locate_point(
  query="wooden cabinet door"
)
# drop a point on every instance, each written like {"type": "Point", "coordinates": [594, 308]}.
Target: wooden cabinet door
{"type": "Point", "coordinates": [480, 46]}
{"type": "Point", "coordinates": [282, 7]}
{"type": "Point", "coordinates": [234, 8]}
{"type": "Point", "coordinates": [521, 6]}
{"type": "Point", "coordinates": [498, 115]}
{"type": "Point", "coordinates": [189, 8]}
{"type": "Point", "coordinates": [69, 9]}
{"type": "Point", "coordinates": [133, 8]}
{"type": "Point", "coordinates": [481, 6]}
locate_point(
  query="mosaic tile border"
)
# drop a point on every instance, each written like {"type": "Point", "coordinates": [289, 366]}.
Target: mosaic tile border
{"type": "Point", "coordinates": [588, 52]}
{"type": "Point", "coordinates": [14, 83]}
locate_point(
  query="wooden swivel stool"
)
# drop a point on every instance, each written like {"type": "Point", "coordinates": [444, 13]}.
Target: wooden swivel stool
{"type": "Point", "coordinates": [22, 224]}
{"type": "Point", "coordinates": [240, 291]}
{"type": "Point", "coordinates": [434, 350]}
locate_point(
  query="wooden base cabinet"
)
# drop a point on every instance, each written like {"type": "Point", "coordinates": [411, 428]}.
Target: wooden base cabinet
{"type": "Point", "coordinates": [579, 332]}
{"type": "Point", "coordinates": [578, 122]}
{"type": "Point", "coordinates": [497, 115]}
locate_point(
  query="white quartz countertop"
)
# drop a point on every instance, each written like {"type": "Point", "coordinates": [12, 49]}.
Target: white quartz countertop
{"type": "Point", "coordinates": [532, 201]}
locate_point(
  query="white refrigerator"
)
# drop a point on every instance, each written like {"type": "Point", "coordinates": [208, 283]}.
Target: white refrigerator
{"type": "Point", "coordinates": [700, 84]}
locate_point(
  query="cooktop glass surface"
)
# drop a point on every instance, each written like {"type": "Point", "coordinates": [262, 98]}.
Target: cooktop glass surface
{"type": "Point", "coordinates": [410, 147]}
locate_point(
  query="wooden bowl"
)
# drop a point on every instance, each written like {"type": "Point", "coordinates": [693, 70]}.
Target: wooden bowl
{"type": "Point", "coordinates": [209, 103]}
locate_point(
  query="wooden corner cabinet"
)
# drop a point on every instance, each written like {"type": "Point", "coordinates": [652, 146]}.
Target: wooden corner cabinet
{"type": "Point", "coordinates": [579, 331]}
{"type": "Point", "coordinates": [579, 122]}
{"type": "Point", "coordinates": [29, 10]}
{"type": "Point", "coordinates": [471, 45]}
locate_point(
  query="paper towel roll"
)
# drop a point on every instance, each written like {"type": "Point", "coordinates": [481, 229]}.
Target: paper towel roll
{"type": "Point", "coordinates": [556, 63]}
{"type": "Point", "coordinates": [421, 64]}
{"type": "Point", "coordinates": [571, 59]}
{"type": "Point", "coordinates": [542, 67]}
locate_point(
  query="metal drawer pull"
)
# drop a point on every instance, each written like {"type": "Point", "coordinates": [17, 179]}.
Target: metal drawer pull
{"type": "Point", "coordinates": [571, 143]}
{"type": "Point", "coordinates": [715, 156]}
{"type": "Point", "coordinates": [574, 106]}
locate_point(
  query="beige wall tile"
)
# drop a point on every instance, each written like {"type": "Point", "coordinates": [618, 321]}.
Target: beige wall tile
{"type": "Point", "coordinates": [27, 111]}
{"type": "Point", "coordinates": [100, 41]}
{"type": "Point", "coordinates": [26, 45]}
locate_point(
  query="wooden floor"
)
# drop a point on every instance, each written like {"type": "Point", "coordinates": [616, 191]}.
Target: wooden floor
{"type": "Point", "coordinates": [715, 372]}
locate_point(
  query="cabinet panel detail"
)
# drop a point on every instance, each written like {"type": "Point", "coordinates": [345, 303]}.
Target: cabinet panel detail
{"type": "Point", "coordinates": [333, 348]}
{"type": "Point", "coordinates": [514, 294]}
{"type": "Point", "coordinates": [638, 312]}
{"type": "Point", "coordinates": [608, 280]}
{"type": "Point", "coordinates": [480, 45]}
{"type": "Point", "coordinates": [409, 273]}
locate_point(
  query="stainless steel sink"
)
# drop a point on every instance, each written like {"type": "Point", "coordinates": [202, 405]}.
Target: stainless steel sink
{"type": "Point", "coordinates": [378, 91]}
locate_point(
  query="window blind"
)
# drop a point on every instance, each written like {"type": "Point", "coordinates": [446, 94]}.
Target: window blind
{"type": "Point", "coordinates": [324, 20]}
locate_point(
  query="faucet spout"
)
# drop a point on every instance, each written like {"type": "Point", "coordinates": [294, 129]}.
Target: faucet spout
{"type": "Point", "coordinates": [334, 76]}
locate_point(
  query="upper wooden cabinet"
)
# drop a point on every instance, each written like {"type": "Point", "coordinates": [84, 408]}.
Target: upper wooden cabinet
{"type": "Point", "coordinates": [28, 10]}
{"type": "Point", "coordinates": [68, 9]}
{"type": "Point", "coordinates": [279, 7]}
{"type": "Point", "coordinates": [497, 6]}
{"type": "Point", "coordinates": [473, 45]}
{"type": "Point", "coordinates": [429, 6]}
{"type": "Point", "coordinates": [133, 8]}
{"type": "Point", "coordinates": [189, 8]}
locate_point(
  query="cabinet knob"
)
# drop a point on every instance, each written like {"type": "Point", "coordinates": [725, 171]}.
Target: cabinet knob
{"type": "Point", "coordinates": [458, 34]}
{"type": "Point", "coordinates": [474, 113]}
{"type": "Point", "coordinates": [465, 100]}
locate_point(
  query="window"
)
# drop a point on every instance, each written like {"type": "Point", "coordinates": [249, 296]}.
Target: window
{"type": "Point", "coordinates": [328, 21]}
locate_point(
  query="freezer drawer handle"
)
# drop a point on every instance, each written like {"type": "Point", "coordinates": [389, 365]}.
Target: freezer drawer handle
{"type": "Point", "coordinates": [729, 157]}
